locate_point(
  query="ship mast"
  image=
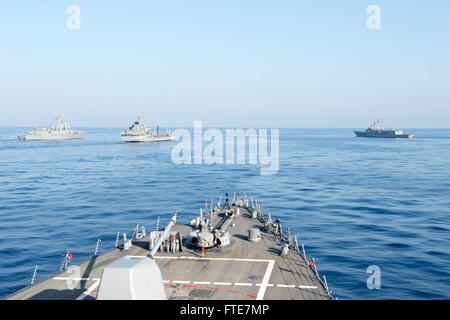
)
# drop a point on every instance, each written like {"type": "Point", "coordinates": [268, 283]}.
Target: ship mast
{"type": "Point", "coordinates": [377, 124]}
{"type": "Point", "coordinates": [380, 123]}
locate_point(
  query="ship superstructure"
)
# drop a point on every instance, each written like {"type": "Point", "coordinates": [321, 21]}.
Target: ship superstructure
{"type": "Point", "coordinates": [60, 131]}
{"type": "Point", "coordinates": [376, 130]}
{"type": "Point", "coordinates": [139, 132]}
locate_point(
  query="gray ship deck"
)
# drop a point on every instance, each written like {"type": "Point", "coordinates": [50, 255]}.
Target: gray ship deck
{"type": "Point", "coordinates": [243, 270]}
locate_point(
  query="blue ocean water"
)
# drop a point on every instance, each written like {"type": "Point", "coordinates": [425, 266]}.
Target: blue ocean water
{"type": "Point", "coordinates": [353, 202]}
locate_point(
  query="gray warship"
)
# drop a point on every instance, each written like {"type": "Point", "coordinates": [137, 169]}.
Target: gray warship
{"type": "Point", "coordinates": [376, 130]}
{"type": "Point", "coordinates": [230, 251]}
{"type": "Point", "coordinates": [60, 131]}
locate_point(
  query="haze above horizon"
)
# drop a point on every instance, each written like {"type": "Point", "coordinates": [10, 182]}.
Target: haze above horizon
{"type": "Point", "coordinates": [263, 63]}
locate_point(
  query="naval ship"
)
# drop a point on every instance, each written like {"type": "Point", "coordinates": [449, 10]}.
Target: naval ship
{"type": "Point", "coordinates": [376, 130]}
{"type": "Point", "coordinates": [139, 132]}
{"type": "Point", "coordinates": [60, 131]}
{"type": "Point", "coordinates": [230, 251]}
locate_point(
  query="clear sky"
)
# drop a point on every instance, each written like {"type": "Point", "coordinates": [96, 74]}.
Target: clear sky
{"type": "Point", "coordinates": [230, 63]}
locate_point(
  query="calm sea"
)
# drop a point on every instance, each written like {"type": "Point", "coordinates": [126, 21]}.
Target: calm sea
{"type": "Point", "coordinates": [353, 202]}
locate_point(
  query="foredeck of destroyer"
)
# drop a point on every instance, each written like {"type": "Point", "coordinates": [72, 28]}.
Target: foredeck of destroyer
{"type": "Point", "coordinates": [243, 270]}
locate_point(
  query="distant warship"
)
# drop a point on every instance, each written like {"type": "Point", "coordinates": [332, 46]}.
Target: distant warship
{"type": "Point", "coordinates": [139, 132]}
{"type": "Point", "coordinates": [376, 130]}
{"type": "Point", "coordinates": [60, 131]}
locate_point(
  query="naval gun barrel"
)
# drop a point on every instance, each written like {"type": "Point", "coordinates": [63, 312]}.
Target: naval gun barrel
{"type": "Point", "coordinates": [163, 236]}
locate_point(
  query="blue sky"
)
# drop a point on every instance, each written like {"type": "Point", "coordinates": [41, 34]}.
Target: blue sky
{"type": "Point", "coordinates": [277, 63]}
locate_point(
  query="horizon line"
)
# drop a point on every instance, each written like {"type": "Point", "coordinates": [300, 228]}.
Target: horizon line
{"type": "Point", "coordinates": [228, 127]}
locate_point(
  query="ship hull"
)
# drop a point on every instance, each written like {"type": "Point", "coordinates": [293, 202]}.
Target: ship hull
{"type": "Point", "coordinates": [146, 138]}
{"type": "Point", "coordinates": [28, 137]}
{"type": "Point", "coordinates": [382, 135]}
